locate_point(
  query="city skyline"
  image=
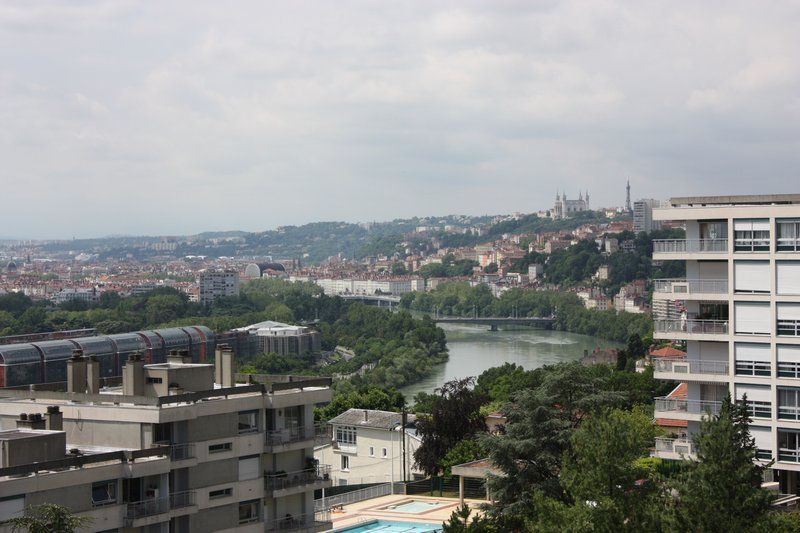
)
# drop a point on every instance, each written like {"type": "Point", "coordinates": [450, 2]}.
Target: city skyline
{"type": "Point", "coordinates": [145, 119]}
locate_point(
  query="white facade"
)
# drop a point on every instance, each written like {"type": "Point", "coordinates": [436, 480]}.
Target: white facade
{"type": "Point", "coordinates": [370, 286]}
{"type": "Point", "coordinates": [739, 314]}
{"type": "Point", "coordinates": [214, 285]}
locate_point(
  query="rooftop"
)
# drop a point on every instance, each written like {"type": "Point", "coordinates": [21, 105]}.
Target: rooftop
{"type": "Point", "coordinates": [744, 199]}
{"type": "Point", "coordinates": [371, 418]}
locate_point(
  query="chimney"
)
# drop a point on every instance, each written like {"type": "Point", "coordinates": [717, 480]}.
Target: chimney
{"type": "Point", "coordinates": [31, 421]}
{"type": "Point", "coordinates": [54, 418]}
{"type": "Point", "coordinates": [93, 375]}
{"type": "Point", "coordinates": [226, 366]}
{"type": "Point", "coordinates": [179, 357]}
{"type": "Point", "coordinates": [218, 362]}
{"type": "Point", "coordinates": [76, 372]}
{"type": "Point", "coordinates": [366, 415]}
{"type": "Point", "coordinates": [133, 375]}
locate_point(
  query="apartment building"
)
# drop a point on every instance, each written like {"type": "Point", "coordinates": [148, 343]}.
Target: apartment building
{"type": "Point", "coordinates": [284, 339]}
{"type": "Point", "coordinates": [370, 446]}
{"type": "Point", "coordinates": [643, 220]}
{"type": "Point", "coordinates": [175, 446]}
{"type": "Point", "coordinates": [738, 313]}
{"type": "Point", "coordinates": [215, 284]}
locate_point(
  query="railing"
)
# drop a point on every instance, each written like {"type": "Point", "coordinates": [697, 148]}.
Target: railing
{"type": "Point", "coordinates": [181, 452]}
{"type": "Point", "coordinates": [788, 244]}
{"type": "Point", "coordinates": [754, 368]}
{"type": "Point", "coordinates": [691, 325]}
{"type": "Point", "coordinates": [297, 478]}
{"type": "Point", "coordinates": [146, 508]}
{"type": "Point", "coordinates": [79, 461]}
{"type": "Point", "coordinates": [698, 407]}
{"type": "Point", "coordinates": [376, 491]}
{"type": "Point", "coordinates": [671, 246]}
{"type": "Point", "coordinates": [788, 369]}
{"type": "Point", "coordinates": [786, 412]}
{"type": "Point", "coordinates": [278, 437]}
{"type": "Point", "coordinates": [291, 522]}
{"type": "Point", "coordinates": [679, 446]}
{"type": "Point", "coordinates": [789, 328]}
{"type": "Point", "coordinates": [688, 366]}
{"type": "Point", "coordinates": [178, 500]}
{"type": "Point", "coordinates": [690, 286]}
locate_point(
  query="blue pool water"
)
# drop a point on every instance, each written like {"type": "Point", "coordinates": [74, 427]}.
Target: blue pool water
{"type": "Point", "coordinates": [391, 526]}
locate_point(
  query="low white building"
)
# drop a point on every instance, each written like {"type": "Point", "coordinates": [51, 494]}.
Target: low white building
{"type": "Point", "coordinates": [370, 446]}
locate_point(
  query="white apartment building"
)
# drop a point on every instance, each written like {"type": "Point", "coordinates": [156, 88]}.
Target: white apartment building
{"type": "Point", "coordinates": [370, 286]}
{"type": "Point", "coordinates": [643, 215]}
{"type": "Point", "coordinates": [169, 450]}
{"type": "Point", "coordinates": [738, 312]}
{"type": "Point", "coordinates": [370, 446]}
{"type": "Point", "coordinates": [215, 284]}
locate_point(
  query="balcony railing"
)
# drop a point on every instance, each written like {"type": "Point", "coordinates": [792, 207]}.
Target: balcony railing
{"type": "Point", "coordinates": [788, 328]}
{"type": "Point", "coordinates": [280, 481]}
{"type": "Point", "coordinates": [690, 366]}
{"type": "Point", "coordinates": [673, 246]}
{"type": "Point", "coordinates": [678, 446]}
{"type": "Point", "coordinates": [690, 286]}
{"type": "Point", "coordinates": [178, 500]}
{"type": "Point", "coordinates": [696, 407]}
{"type": "Point", "coordinates": [181, 452]}
{"type": "Point", "coordinates": [691, 325]}
{"type": "Point", "coordinates": [291, 522]}
{"type": "Point", "coordinates": [147, 508]}
{"type": "Point", "coordinates": [278, 437]}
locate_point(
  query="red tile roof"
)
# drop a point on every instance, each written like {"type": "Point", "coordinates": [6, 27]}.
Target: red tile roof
{"type": "Point", "coordinates": [671, 423]}
{"type": "Point", "coordinates": [668, 351]}
{"type": "Point", "coordinates": [679, 392]}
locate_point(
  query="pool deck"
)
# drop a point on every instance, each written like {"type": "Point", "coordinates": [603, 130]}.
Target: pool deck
{"type": "Point", "coordinates": [357, 513]}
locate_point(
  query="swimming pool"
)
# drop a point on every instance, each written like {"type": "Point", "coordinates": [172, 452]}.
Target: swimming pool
{"type": "Point", "coordinates": [412, 506]}
{"type": "Point", "coordinates": [392, 526]}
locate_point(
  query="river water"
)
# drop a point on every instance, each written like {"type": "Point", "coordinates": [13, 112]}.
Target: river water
{"type": "Point", "coordinates": [473, 349]}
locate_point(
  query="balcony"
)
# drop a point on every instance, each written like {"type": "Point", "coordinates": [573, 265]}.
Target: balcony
{"type": "Point", "coordinates": [320, 433]}
{"type": "Point", "coordinates": [685, 409]}
{"type": "Point", "coordinates": [682, 448]}
{"type": "Point", "coordinates": [181, 500]}
{"type": "Point", "coordinates": [137, 512]}
{"type": "Point", "coordinates": [181, 452]}
{"type": "Point", "coordinates": [687, 369]}
{"type": "Point", "coordinates": [318, 521]}
{"type": "Point", "coordinates": [680, 247]}
{"type": "Point", "coordinates": [285, 481]}
{"type": "Point", "coordinates": [705, 289]}
{"type": "Point", "coordinates": [690, 328]}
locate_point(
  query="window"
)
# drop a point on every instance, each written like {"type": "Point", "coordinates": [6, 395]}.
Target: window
{"type": "Point", "coordinates": [751, 235]}
{"type": "Point", "coordinates": [249, 467]}
{"type": "Point", "coordinates": [788, 445]}
{"type": "Point", "coordinates": [788, 361]}
{"type": "Point", "coordinates": [152, 380]}
{"type": "Point", "coordinates": [219, 448]}
{"type": "Point", "coordinates": [788, 235]}
{"type": "Point", "coordinates": [752, 359]}
{"type": "Point", "coordinates": [248, 512]}
{"type": "Point", "coordinates": [759, 399]}
{"type": "Point", "coordinates": [220, 493]}
{"type": "Point", "coordinates": [763, 438]}
{"type": "Point", "coordinates": [384, 453]}
{"type": "Point", "coordinates": [788, 320]}
{"type": "Point", "coordinates": [372, 451]}
{"type": "Point", "coordinates": [788, 277]}
{"type": "Point", "coordinates": [104, 493]}
{"type": "Point", "coordinates": [752, 318]}
{"type": "Point", "coordinates": [346, 435]}
{"type": "Point", "coordinates": [345, 463]}
{"type": "Point", "coordinates": [11, 507]}
{"type": "Point", "coordinates": [248, 422]}
{"type": "Point", "coordinates": [751, 277]}
{"type": "Point", "coordinates": [788, 403]}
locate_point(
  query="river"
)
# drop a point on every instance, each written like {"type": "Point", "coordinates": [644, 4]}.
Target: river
{"type": "Point", "coordinates": [473, 349]}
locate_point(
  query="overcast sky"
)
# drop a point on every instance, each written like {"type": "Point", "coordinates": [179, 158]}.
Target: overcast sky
{"type": "Point", "coordinates": [180, 117]}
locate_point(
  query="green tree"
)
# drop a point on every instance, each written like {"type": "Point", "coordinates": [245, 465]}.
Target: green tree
{"type": "Point", "coordinates": [721, 491]}
{"type": "Point", "coordinates": [460, 521]}
{"type": "Point", "coordinates": [463, 452]}
{"type": "Point", "coordinates": [48, 518]}
{"type": "Point", "coordinates": [455, 415]}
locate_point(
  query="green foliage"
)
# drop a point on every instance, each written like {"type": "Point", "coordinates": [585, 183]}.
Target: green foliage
{"type": "Point", "coordinates": [460, 522]}
{"type": "Point", "coordinates": [455, 416]}
{"type": "Point", "coordinates": [448, 268]}
{"type": "Point", "coordinates": [365, 398]}
{"type": "Point", "coordinates": [463, 452]}
{"type": "Point", "coordinates": [722, 491]}
{"type": "Point", "coordinates": [47, 518]}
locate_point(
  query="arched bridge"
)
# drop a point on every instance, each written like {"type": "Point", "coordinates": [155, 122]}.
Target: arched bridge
{"type": "Point", "coordinates": [495, 321]}
{"type": "Point", "coordinates": [377, 299]}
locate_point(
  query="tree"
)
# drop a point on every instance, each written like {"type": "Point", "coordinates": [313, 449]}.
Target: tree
{"type": "Point", "coordinates": [491, 268]}
{"type": "Point", "coordinates": [460, 522]}
{"type": "Point", "coordinates": [399, 269]}
{"type": "Point", "coordinates": [721, 491]}
{"type": "Point", "coordinates": [455, 415]}
{"type": "Point", "coordinates": [465, 451]}
{"type": "Point", "coordinates": [47, 518]}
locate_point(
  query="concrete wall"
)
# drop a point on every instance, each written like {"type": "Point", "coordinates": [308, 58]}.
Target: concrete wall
{"type": "Point", "coordinates": [215, 519]}
{"type": "Point", "coordinates": [213, 427]}
{"type": "Point", "coordinates": [214, 473]}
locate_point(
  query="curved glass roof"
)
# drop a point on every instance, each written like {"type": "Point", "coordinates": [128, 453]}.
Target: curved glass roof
{"type": "Point", "coordinates": [19, 354]}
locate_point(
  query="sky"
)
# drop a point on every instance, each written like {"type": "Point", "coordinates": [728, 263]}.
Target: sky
{"type": "Point", "coordinates": [176, 117]}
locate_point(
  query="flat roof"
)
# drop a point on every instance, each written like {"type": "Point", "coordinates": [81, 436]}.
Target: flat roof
{"type": "Point", "coordinates": [741, 199]}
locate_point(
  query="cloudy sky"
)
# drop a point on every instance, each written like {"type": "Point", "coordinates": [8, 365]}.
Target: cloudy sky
{"type": "Point", "coordinates": [179, 117]}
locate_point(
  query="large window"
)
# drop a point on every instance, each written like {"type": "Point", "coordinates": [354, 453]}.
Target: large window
{"type": "Point", "coordinates": [789, 445]}
{"type": "Point", "coordinates": [763, 438]}
{"type": "Point", "coordinates": [788, 361]}
{"type": "Point", "coordinates": [788, 277]}
{"type": "Point", "coordinates": [248, 422]}
{"type": "Point", "coordinates": [104, 493]}
{"type": "Point", "coordinates": [752, 359]}
{"type": "Point", "coordinates": [751, 235]}
{"type": "Point", "coordinates": [759, 399]}
{"type": "Point", "coordinates": [788, 235]}
{"type": "Point", "coordinates": [248, 512]}
{"type": "Point", "coordinates": [752, 318]}
{"type": "Point", "coordinates": [751, 277]}
{"type": "Point", "coordinates": [788, 403]}
{"type": "Point", "coordinates": [249, 467]}
{"type": "Point", "coordinates": [788, 320]}
{"type": "Point", "coordinates": [346, 435]}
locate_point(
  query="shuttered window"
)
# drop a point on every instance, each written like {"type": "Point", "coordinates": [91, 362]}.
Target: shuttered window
{"type": "Point", "coordinates": [752, 318]}
{"type": "Point", "coordinates": [249, 468]}
{"type": "Point", "coordinates": [751, 276]}
{"type": "Point", "coordinates": [759, 399]}
{"type": "Point", "coordinates": [763, 438]}
{"type": "Point", "coordinates": [788, 274]}
{"type": "Point", "coordinates": [752, 359]}
{"type": "Point", "coordinates": [789, 320]}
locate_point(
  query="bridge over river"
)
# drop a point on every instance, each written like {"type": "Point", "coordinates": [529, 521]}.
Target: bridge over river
{"type": "Point", "coordinates": [496, 321]}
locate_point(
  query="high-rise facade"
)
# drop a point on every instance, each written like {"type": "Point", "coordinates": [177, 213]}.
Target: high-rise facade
{"type": "Point", "coordinates": [738, 313]}
{"type": "Point", "coordinates": [643, 215]}
{"type": "Point", "coordinates": [216, 284]}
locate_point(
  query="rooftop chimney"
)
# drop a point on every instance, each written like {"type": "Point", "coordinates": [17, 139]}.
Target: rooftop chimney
{"type": "Point", "coordinates": [179, 357]}
{"type": "Point", "coordinates": [366, 415]}
{"type": "Point", "coordinates": [54, 418]}
{"type": "Point", "coordinates": [133, 375]}
{"type": "Point", "coordinates": [93, 375]}
{"type": "Point", "coordinates": [76, 372]}
{"type": "Point", "coordinates": [32, 421]}
{"type": "Point", "coordinates": [223, 366]}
